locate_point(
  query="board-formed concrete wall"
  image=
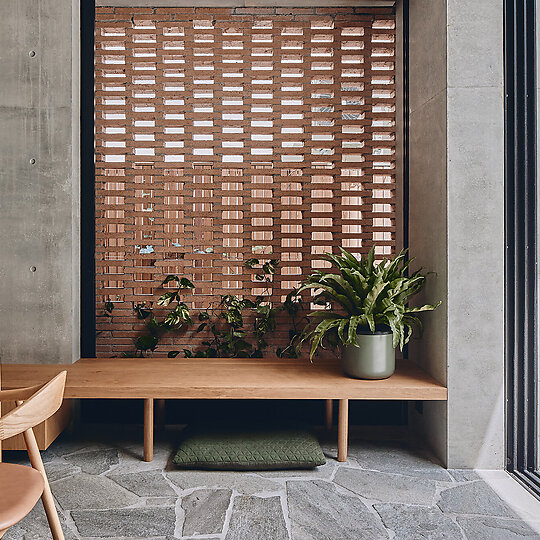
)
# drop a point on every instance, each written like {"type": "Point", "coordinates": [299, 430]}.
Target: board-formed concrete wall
{"type": "Point", "coordinates": [39, 219]}
{"type": "Point", "coordinates": [457, 220]}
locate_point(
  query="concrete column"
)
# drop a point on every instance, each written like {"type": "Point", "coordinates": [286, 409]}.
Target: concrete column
{"type": "Point", "coordinates": [39, 241]}
{"type": "Point", "coordinates": [475, 190]}
{"type": "Point", "coordinates": [457, 221]}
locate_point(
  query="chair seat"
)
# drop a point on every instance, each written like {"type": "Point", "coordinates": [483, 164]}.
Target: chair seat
{"type": "Point", "coordinates": [20, 489]}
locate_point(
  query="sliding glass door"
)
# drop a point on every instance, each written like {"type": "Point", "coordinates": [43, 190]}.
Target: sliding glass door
{"type": "Point", "coordinates": [522, 243]}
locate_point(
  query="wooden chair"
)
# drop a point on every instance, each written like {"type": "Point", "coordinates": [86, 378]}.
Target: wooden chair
{"type": "Point", "coordinates": [21, 486]}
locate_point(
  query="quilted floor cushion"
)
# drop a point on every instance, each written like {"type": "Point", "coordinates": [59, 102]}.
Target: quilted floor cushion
{"type": "Point", "coordinates": [249, 451]}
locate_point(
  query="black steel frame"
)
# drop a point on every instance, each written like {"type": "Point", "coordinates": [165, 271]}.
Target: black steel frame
{"type": "Point", "coordinates": [521, 243]}
{"type": "Point", "coordinates": [87, 292]}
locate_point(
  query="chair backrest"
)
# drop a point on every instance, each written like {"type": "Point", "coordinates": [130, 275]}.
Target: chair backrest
{"type": "Point", "coordinates": [36, 408]}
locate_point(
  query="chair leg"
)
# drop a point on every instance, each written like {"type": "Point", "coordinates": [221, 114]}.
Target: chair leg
{"type": "Point", "coordinates": [47, 497]}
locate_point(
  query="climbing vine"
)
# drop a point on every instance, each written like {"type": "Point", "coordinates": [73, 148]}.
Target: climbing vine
{"type": "Point", "coordinates": [233, 327]}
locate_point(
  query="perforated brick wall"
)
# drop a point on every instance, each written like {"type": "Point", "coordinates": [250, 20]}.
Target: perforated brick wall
{"type": "Point", "coordinates": [224, 134]}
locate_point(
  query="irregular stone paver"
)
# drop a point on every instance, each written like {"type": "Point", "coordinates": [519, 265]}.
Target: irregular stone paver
{"type": "Point", "coordinates": [324, 471]}
{"type": "Point", "coordinates": [386, 487]}
{"type": "Point", "coordinates": [496, 529]}
{"type": "Point", "coordinates": [205, 511]}
{"type": "Point", "coordinates": [57, 471]}
{"type": "Point", "coordinates": [131, 459]}
{"type": "Point", "coordinates": [474, 498]}
{"type": "Point", "coordinates": [87, 491]}
{"type": "Point", "coordinates": [247, 484]}
{"type": "Point", "coordinates": [155, 516]}
{"type": "Point", "coordinates": [128, 522]}
{"type": "Point", "coordinates": [417, 522]}
{"type": "Point", "coordinates": [95, 461]}
{"type": "Point", "coordinates": [255, 518]}
{"type": "Point", "coordinates": [145, 483]}
{"type": "Point", "coordinates": [463, 475]}
{"type": "Point", "coordinates": [34, 526]}
{"type": "Point", "coordinates": [397, 457]}
{"type": "Point", "coordinates": [318, 512]}
{"type": "Point", "coordinates": [160, 501]}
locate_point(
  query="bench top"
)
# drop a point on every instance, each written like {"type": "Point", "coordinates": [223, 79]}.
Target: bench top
{"type": "Point", "coordinates": [223, 378]}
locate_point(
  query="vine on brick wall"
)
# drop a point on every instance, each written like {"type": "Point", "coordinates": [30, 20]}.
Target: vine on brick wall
{"type": "Point", "coordinates": [234, 327]}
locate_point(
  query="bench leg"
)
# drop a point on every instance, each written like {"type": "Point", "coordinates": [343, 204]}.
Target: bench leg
{"type": "Point", "coordinates": [329, 413]}
{"type": "Point", "coordinates": [148, 429]}
{"type": "Point", "coordinates": [160, 414]}
{"type": "Point", "coordinates": [343, 429]}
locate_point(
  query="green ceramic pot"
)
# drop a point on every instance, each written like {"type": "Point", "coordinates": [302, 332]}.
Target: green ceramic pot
{"type": "Point", "coordinates": [373, 358]}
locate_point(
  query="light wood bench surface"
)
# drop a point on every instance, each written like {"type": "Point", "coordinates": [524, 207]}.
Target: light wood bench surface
{"type": "Point", "coordinates": [225, 378]}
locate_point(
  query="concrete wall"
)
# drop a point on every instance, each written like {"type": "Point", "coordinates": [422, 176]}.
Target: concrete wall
{"type": "Point", "coordinates": [457, 220]}
{"type": "Point", "coordinates": [39, 220]}
{"type": "Point", "coordinates": [428, 198]}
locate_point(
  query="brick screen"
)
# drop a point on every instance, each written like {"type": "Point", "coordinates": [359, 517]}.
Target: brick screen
{"type": "Point", "coordinates": [224, 134]}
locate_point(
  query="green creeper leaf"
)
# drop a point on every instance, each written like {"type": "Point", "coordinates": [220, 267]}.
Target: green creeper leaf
{"type": "Point", "coordinates": [167, 298]}
{"type": "Point", "coordinates": [142, 311]}
{"type": "Point", "coordinates": [146, 343]}
{"type": "Point", "coordinates": [173, 354]}
{"type": "Point", "coordinates": [185, 283]}
{"type": "Point", "coordinates": [153, 325]}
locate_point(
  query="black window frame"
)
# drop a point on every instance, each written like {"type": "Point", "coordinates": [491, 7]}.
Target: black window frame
{"type": "Point", "coordinates": [521, 237]}
{"type": "Point", "coordinates": [87, 193]}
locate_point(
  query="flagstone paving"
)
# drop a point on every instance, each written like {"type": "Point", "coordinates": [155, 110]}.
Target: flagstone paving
{"type": "Point", "coordinates": [386, 490]}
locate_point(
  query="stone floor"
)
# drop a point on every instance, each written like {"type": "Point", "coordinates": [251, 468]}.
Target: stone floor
{"type": "Point", "coordinates": [387, 489]}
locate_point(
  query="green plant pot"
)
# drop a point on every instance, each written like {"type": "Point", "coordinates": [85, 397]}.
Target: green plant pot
{"type": "Point", "coordinates": [373, 358]}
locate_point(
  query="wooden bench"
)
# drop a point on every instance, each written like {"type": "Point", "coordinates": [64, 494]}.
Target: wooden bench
{"type": "Point", "coordinates": [225, 378]}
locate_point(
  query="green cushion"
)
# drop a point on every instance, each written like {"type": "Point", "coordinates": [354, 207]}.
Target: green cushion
{"type": "Point", "coordinates": [249, 451]}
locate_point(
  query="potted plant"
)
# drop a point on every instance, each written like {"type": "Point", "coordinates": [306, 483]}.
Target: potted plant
{"type": "Point", "coordinates": [367, 314]}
